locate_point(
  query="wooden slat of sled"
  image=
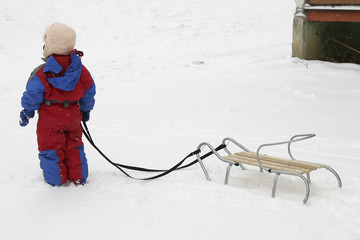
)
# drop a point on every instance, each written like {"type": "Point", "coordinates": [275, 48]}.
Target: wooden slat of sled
{"type": "Point", "coordinates": [309, 165]}
{"type": "Point", "coordinates": [274, 163]}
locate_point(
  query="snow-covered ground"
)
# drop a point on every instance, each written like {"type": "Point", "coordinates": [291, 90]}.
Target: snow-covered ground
{"type": "Point", "coordinates": [170, 75]}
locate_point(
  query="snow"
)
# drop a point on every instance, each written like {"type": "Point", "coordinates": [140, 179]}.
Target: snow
{"type": "Point", "coordinates": [170, 75]}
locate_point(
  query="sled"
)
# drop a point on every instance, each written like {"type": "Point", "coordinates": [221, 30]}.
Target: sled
{"type": "Point", "coordinates": [271, 164]}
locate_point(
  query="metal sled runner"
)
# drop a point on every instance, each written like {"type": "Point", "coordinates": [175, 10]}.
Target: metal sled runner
{"type": "Point", "coordinates": [267, 163]}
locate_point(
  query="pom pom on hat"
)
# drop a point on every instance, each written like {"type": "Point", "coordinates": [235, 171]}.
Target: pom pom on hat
{"type": "Point", "coordinates": [59, 39]}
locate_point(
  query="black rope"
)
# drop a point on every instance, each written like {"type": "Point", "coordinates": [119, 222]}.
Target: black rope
{"type": "Point", "coordinates": [120, 167]}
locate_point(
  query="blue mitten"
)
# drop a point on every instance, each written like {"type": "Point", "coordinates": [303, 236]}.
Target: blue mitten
{"type": "Point", "coordinates": [25, 115]}
{"type": "Point", "coordinates": [86, 116]}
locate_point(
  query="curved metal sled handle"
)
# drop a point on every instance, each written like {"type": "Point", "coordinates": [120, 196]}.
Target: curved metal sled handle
{"type": "Point", "coordinates": [295, 138]}
{"type": "Point", "coordinates": [203, 144]}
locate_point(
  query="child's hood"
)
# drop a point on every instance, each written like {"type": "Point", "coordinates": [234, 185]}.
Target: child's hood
{"type": "Point", "coordinates": [69, 79]}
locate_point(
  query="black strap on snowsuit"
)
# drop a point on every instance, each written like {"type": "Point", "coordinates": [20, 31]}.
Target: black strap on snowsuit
{"type": "Point", "coordinates": [163, 172]}
{"type": "Point", "coordinates": [66, 103]}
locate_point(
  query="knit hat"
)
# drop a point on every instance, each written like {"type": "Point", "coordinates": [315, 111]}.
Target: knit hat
{"type": "Point", "coordinates": [59, 39]}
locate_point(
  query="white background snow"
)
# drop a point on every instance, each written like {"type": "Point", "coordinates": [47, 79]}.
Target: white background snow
{"type": "Point", "coordinates": [170, 75]}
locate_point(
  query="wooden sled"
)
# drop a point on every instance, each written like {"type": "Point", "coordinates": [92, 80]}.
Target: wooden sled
{"type": "Point", "coordinates": [267, 163]}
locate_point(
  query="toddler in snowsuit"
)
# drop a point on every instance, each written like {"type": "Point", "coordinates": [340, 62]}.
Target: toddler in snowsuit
{"type": "Point", "coordinates": [62, 91]}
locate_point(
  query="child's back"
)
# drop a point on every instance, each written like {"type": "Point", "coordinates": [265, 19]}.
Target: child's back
{"type": "Point", "coordinates": [62, 90]}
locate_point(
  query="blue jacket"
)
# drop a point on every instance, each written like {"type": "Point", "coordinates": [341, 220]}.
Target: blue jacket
{"type": "Point", "coordinates": [61, 78]}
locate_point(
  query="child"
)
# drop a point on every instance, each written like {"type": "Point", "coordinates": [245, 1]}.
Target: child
{"type": "Point", "coordinates": [62, 90]}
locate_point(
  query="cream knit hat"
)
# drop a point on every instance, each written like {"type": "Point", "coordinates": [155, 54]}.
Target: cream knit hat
{"type": "Point", "coordinates": [59, 39]}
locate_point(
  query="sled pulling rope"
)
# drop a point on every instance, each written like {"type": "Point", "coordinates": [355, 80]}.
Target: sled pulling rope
{"type": "Point", "coordinates": [120, 167]}
{"type": "Point", "coordinates": [270, 164]}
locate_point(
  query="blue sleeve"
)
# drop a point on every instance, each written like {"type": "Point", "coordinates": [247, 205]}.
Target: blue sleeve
{"type": "Point", "coordinates": [34, 95]}
{"type": "Point", "coordinates": [88, 101]}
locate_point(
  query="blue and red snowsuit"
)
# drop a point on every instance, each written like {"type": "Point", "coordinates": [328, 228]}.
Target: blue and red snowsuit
{"type": "Point", "coordinates": [61, 90]}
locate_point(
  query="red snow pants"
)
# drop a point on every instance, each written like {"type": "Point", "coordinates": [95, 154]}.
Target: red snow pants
{"type": "Point", "coordinates": [61, 150]}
